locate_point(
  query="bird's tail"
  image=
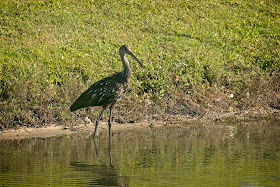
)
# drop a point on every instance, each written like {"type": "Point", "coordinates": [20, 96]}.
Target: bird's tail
{"type": "Point", "coordinates": [81, 102]}
{"type": "Point", "coordinates": [74, 106]}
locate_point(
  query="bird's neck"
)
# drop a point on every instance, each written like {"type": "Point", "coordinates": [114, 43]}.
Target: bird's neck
{"type": "Point", "coordinates": [126, 66]}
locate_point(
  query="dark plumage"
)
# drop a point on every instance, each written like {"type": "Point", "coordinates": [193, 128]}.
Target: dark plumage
{"type": "Point", "coordinates": [107, 91]}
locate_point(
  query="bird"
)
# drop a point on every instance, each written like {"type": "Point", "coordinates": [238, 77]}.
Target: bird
{"type": "Point", "coordinates": [107, 91]}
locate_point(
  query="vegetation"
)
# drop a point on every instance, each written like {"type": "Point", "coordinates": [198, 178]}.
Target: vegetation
{"type": "Point", "coordinates": [219, 56]}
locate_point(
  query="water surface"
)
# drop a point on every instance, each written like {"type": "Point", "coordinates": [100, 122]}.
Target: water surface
{"type": "Point", "coordinates": [188, 155]}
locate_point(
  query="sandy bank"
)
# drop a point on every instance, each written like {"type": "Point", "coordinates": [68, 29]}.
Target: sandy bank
{"type": "Point", "coordinates": [59, 130]}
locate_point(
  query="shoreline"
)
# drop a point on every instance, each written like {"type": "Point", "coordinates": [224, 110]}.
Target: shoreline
{"type": "Point", "coordinates": [52, 130]}
{"type": "Point", "coordinates": [61, 130]}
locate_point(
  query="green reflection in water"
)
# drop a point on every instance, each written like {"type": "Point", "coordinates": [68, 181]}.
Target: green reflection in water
{"type": "Point", "coordinates": [212, 155]}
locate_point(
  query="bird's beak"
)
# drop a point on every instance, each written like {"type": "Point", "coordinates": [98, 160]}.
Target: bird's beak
{"type": "Point", "coordinates": [131, 54]}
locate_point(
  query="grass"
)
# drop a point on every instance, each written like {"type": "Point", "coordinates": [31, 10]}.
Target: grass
{"type": "Point", "coordinates": [196, 54]}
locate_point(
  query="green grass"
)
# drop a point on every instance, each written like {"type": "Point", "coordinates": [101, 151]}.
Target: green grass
{"type": "Point", "coordinates": [51, 51]}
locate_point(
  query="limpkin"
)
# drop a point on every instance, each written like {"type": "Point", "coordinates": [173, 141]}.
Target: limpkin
{"type": "Point", "coordinates": [107, 91]}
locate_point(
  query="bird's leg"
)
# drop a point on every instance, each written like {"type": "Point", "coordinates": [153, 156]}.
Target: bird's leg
{"type": "Point", "coordinates": [96, 150]}
{"type": "Point", "coordinates": [97, 121]}
{"type": "Point", "coordinates": [109, 124]}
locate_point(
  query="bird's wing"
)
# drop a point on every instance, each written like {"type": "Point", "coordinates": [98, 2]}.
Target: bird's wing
{"type": "Point", "coordinates": [99, 93]}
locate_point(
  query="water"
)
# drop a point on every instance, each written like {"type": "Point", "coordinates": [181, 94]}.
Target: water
{"type": "Point", "coordinates": [197, 155]}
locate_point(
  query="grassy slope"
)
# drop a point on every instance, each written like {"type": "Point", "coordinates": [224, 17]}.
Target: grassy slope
{"type": "Point", "coordinates": [196, 55]}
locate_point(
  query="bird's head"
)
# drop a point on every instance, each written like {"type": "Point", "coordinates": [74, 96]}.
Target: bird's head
{"type": "Point", "coordinates": [126, 50]}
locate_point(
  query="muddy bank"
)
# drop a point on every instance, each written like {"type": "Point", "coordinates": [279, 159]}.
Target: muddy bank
{"type": "Point", "coordinates": [88, 127]}
{"type": "Point", "coordinates": [62, 130]}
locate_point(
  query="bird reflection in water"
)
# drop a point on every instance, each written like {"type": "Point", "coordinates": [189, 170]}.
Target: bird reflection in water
{"type": "Point", "coordinates": [100, 174]}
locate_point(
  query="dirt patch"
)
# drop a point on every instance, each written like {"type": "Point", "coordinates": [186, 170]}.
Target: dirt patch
{"type": "Point", "coordinates": [61, 130]}
{"type": "Point", "coordinates": [44, 132]}
{"type": "Point", "coordinates": [88, 128]}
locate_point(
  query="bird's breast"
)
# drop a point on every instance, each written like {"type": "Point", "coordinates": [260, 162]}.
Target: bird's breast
{"type": "Point", "coordinates": [120, 89]}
